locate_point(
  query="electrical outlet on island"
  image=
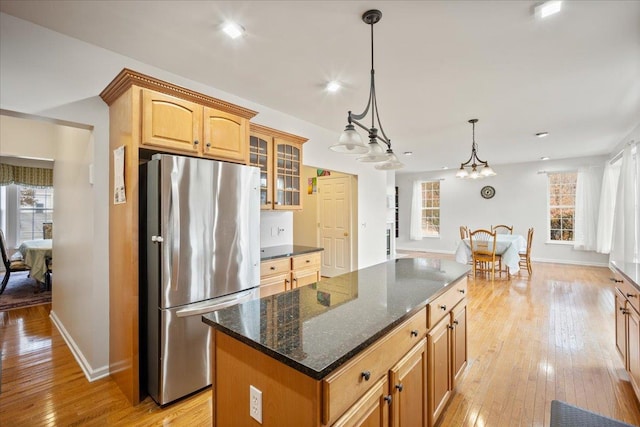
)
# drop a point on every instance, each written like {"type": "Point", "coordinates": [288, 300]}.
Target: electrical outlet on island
{"type": "Point", "coordinates": [255, 404]}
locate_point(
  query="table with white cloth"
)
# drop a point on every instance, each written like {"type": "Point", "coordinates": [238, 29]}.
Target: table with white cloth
{"type": "Point", "coordinates": [508, 246]}
{"type": "Point", "coordinates": [34, 253]}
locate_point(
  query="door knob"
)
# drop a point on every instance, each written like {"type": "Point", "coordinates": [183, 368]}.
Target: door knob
{"type": "Point", "coordinates": [346, 234]}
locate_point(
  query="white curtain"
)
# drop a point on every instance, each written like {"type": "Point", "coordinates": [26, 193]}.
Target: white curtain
{"type": "Point", "coordinates": [588, 188]}
{"type": "Point", "coordinates": [415, 231]}
{"type": "Point", "coordinates": [625, 225]}
{"type": "Point", "coordinates": [607, 207]}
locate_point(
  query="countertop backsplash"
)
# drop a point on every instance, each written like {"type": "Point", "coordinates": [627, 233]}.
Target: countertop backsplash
{"type": "Point", "coordinates": [276, 228]}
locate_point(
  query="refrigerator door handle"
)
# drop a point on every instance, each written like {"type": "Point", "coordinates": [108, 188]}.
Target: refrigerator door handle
{"type": "Point", "coordinates": [219, 303]}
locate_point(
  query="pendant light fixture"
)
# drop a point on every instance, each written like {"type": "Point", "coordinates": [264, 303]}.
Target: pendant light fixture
{"type": "Point", "coordinates": [474, 174]}
{"type": "Point", "coordinates": [350, 141]}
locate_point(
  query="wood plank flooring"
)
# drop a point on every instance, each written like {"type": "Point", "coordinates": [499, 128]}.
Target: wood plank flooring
{"type": "Point", "coordinates": [531, 340]}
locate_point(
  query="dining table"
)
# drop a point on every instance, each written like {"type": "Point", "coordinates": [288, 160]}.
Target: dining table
{"type": "Point", "coordinates": [34, 254]}
{"type": "Point", "coordinates": [508, 246]}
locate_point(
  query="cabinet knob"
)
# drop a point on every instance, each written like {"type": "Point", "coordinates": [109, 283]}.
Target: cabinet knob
{"type": "Point", "coordinates": [399, 387]}
{"type": "Point", "coordinates": [195, 142]}
{"type": "Point", "coordinates": [388, 399]}
{"type": "Point", "coordinates": [621, 309]}
{"type": "Point", "coordinates": [455, 322]}
{"type": "Point", "coordinates": [414, 333]}
{"type": "Point", "coordinates": [443, 307]}
{"type": "Point", "coordinates": [461, 291]}
{"type": "Point", "coordinates": [613, 279]}
{"type": "Point", "coordinates": [208, 144]}
{"type": "Point", "coordinates": [450, 326]}
{"type": "Point", "coordinates": [307, 261]}
{"type": "Point", "coordinates": [286, 281]}
{"type": "Point", "coordinates": [366, 375]}
{"type": "Point", "coordinates": [632, 296]}
{"type": "Point", "coordinates": [272, 267]}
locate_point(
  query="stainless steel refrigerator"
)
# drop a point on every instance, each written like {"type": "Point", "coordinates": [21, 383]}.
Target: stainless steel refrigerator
{"type": "Point", "coordinates": [199, 251]}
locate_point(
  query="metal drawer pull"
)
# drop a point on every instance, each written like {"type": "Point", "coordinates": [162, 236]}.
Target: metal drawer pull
{"type": "Point", "coordinates": [461, 291]}
{"type": "Point", "coordinates": [450, 326]}
{"type": "Point", "coordinates": [632, 296]}
{"type": "Point", "coordinates": [399, 387]}
{"type": "Point", "coordinates": [444, 307]}
{"type": "Point", "coordinates": [273, 267]}
{"type": "Point", "coordinates": [455, 322]}
{"type": "Point", "coordinates": [613, 279]}
{"type": "Point", "coordinates": [414, 333]}
{"type": "Point", "coordinates": [388, 399]}
{"type": "Point", "coordinates": [366, 375]}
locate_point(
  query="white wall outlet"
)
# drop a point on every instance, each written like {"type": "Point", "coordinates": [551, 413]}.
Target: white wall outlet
{"type": "Point", "coordinates": [255, 404]}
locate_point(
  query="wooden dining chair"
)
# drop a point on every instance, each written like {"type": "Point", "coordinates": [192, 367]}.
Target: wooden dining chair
{"type": "Point", "coordinates": [502, 229]}
{"type": "Point", "coordinates": [9, 265]}
{"type": "Point", "coordinates": [483, 251]}
{"type": "Point", "coordinates": [525, 257]}
{"type": "Point", "coordinates": [464, 232]}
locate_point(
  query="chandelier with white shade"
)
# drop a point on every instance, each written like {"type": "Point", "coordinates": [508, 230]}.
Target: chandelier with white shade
{"type": "Point", "coordinates": [350, 141]}
{"type": "Point", "coordinates": [473, 162]}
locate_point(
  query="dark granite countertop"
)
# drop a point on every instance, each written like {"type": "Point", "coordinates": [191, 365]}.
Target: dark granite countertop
{"type": "Point", "coordinates": [282, 251]}
{"type": "Point", "coordinates": [629, 270]}
{"type": "Point", "coordinates": [317, 328]}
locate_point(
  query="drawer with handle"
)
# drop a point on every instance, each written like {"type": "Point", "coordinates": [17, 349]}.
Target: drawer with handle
{"type": "Point", "coordinates": [342, 388]}
{"type": "Point", "coordinates": [311, 260]}
{"type": "Point", "coordinates": [629, 291]}
{"type": "Point", "coordinates": [441, 306]}
{"type": "Point", "coordinates": [275, 266]}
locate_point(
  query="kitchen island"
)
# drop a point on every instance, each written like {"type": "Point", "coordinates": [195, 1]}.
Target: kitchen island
{"type": "Point", "coordinates": [385, 343]}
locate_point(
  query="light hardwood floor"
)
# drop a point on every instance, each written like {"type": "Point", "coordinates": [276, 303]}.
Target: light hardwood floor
{"type": "Point", "coordinates": [531, 340]}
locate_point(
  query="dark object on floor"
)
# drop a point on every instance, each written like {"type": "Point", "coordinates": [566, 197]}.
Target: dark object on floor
{"type": "Point", "coordinates": [47, 275]}
{"type": "Point", "coordinates": [23, 291]}
{"type": "Point", "coordinates": [565, 415]}
{"type": "Point", "coordinates": [9, 266]}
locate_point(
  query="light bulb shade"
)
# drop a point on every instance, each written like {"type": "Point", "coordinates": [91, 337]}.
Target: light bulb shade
{"type": "Point", "coordinates": [376, 154]}
{"type": "Point", "coordinates": [392, 163]}
{"type": "Point", "coordinates": [462, 173]}
{"type": "Point", "coordinates": [487, 171]}
{"type": "Point", "coordinates": [350, 142]}
{"type": "Point", "coordinates": [475, 174]}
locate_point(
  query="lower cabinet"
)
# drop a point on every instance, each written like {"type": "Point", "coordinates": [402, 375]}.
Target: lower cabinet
{"type": "Point", "coordinates": [627, 318]}
{"type": "Point", "coordinates": [447, 358]}
{"type": "Point", "coordinates": [372, 410]}
{"type": "Point", "coordinates": [408, 389]}
{"type": "Point", "coordinates": [281, 274]}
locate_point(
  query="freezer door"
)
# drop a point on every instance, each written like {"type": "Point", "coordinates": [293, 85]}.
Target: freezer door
{"type": "Point", "coordinates": [183, 345]}
{"type": "Point", "coordinates": [210, 229]}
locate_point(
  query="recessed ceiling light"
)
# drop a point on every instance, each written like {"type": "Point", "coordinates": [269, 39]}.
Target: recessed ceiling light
{"type": "Point", "coordinates": [544, 158]}
{"type": "Point", "coordinates": [333, 86]}
{"type": "Point", "coordinates": [408, 153]}
{"type": "Point", "coordinates": [233, 30]}
{"type": "Point", "coordinates": [542, 134]}
{"type": "Point", "coordinates": [548, 8]}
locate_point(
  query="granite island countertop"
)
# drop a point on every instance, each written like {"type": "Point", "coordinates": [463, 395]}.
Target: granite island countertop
{"type": "Point", "coordinates": [282, 251]}
{"type": "Point", "coordinates": [317, 328]}
{"type": "Point", "coordinates": [629, 270]}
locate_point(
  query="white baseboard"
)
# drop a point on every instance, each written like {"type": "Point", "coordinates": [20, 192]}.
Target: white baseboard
{"type": "Point", "coordinates": [571, 262]}
{"type": "Point", "coordinates": [435, 251]}
{"type": "Point", "coordinates": [89, 372]}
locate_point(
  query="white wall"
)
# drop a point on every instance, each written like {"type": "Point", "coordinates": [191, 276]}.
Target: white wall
{"type": "Point", "coordinates": [520, 200]}
{"type": "Point", "coordinates": [48, 74]}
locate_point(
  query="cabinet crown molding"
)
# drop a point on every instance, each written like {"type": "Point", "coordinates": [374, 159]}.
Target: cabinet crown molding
{"type": "Point", "coordinates": [127, 78]}
{"type": "Point", "coordinates": [254, 127]}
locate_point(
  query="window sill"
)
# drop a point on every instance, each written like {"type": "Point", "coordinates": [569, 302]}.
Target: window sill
{"type": "Point", "coordinates": [431, 237]}
{"type": "Point", "coordinates": [560, 242]}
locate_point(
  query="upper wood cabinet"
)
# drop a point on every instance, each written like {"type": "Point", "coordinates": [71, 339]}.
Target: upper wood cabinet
{"type": "Point", "coordinates": [226, 136]}
{"type": "Point", "coordinates": [279, 156]}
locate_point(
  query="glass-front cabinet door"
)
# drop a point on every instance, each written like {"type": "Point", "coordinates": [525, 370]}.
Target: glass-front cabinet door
{"type": "Point", "coordinates": [287, 164]}
{"type": "Point", "coordinates": [260, 155]}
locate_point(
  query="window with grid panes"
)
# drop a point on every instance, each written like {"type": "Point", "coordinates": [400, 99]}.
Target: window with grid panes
{"type": "Point", "coordinates": [562, 205]}
{"type": "Point", "coordinates": [431, 208]}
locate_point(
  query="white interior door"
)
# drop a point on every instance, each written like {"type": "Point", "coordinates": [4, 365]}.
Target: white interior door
{"type": "Point", "coordinates": [335, 224]}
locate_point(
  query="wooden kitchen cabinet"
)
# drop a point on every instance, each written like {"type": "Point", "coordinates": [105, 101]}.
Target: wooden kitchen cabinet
{"type": "Point", "coordinates": [408, 389]}
{"type": "Point", "coordinates": [282, 274]}
{"type": "Point", "coordinates": [459, 341]}
{"type": "Point", "coordinates": [627, 318]}
{"type": "Point", "coordinates": [279, 157]}
{"type": "Point", "coordinates": [439, 371]}
{"type": "Point", "coordinates": [372, 410]}
{"type": "Point", "coordinates": [146, 116]}
{"type": "Point", "coordinates": [169, 122]}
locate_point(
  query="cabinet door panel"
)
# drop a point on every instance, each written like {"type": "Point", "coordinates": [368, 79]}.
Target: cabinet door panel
{"type": "Point", "coordinates": [170, 122]}
{"type": "Point", "coordinates": [621, 327]}
{"type": "Point", "coordinates": [261, 156]}
{"type": "Point", "coordinates": [287, 166]}
{"type": "Point", "coordinates": [225, 135]}
{"type": "Point", "coordinates": [274, 284]}
{"type": "Point", "coordinates": [439, 358]}
{"type": "Point", "coordinates": [407, 382]}
{"type": "Point", "coordinates": [633, 364]}
{"type": "Point", "coordinates": [370, 411]}
{"type": "Point", "coordinates": [459, 341]}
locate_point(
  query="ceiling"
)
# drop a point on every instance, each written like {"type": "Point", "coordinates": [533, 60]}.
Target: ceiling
{"type": "Point", "coordinates": [438, 64]}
